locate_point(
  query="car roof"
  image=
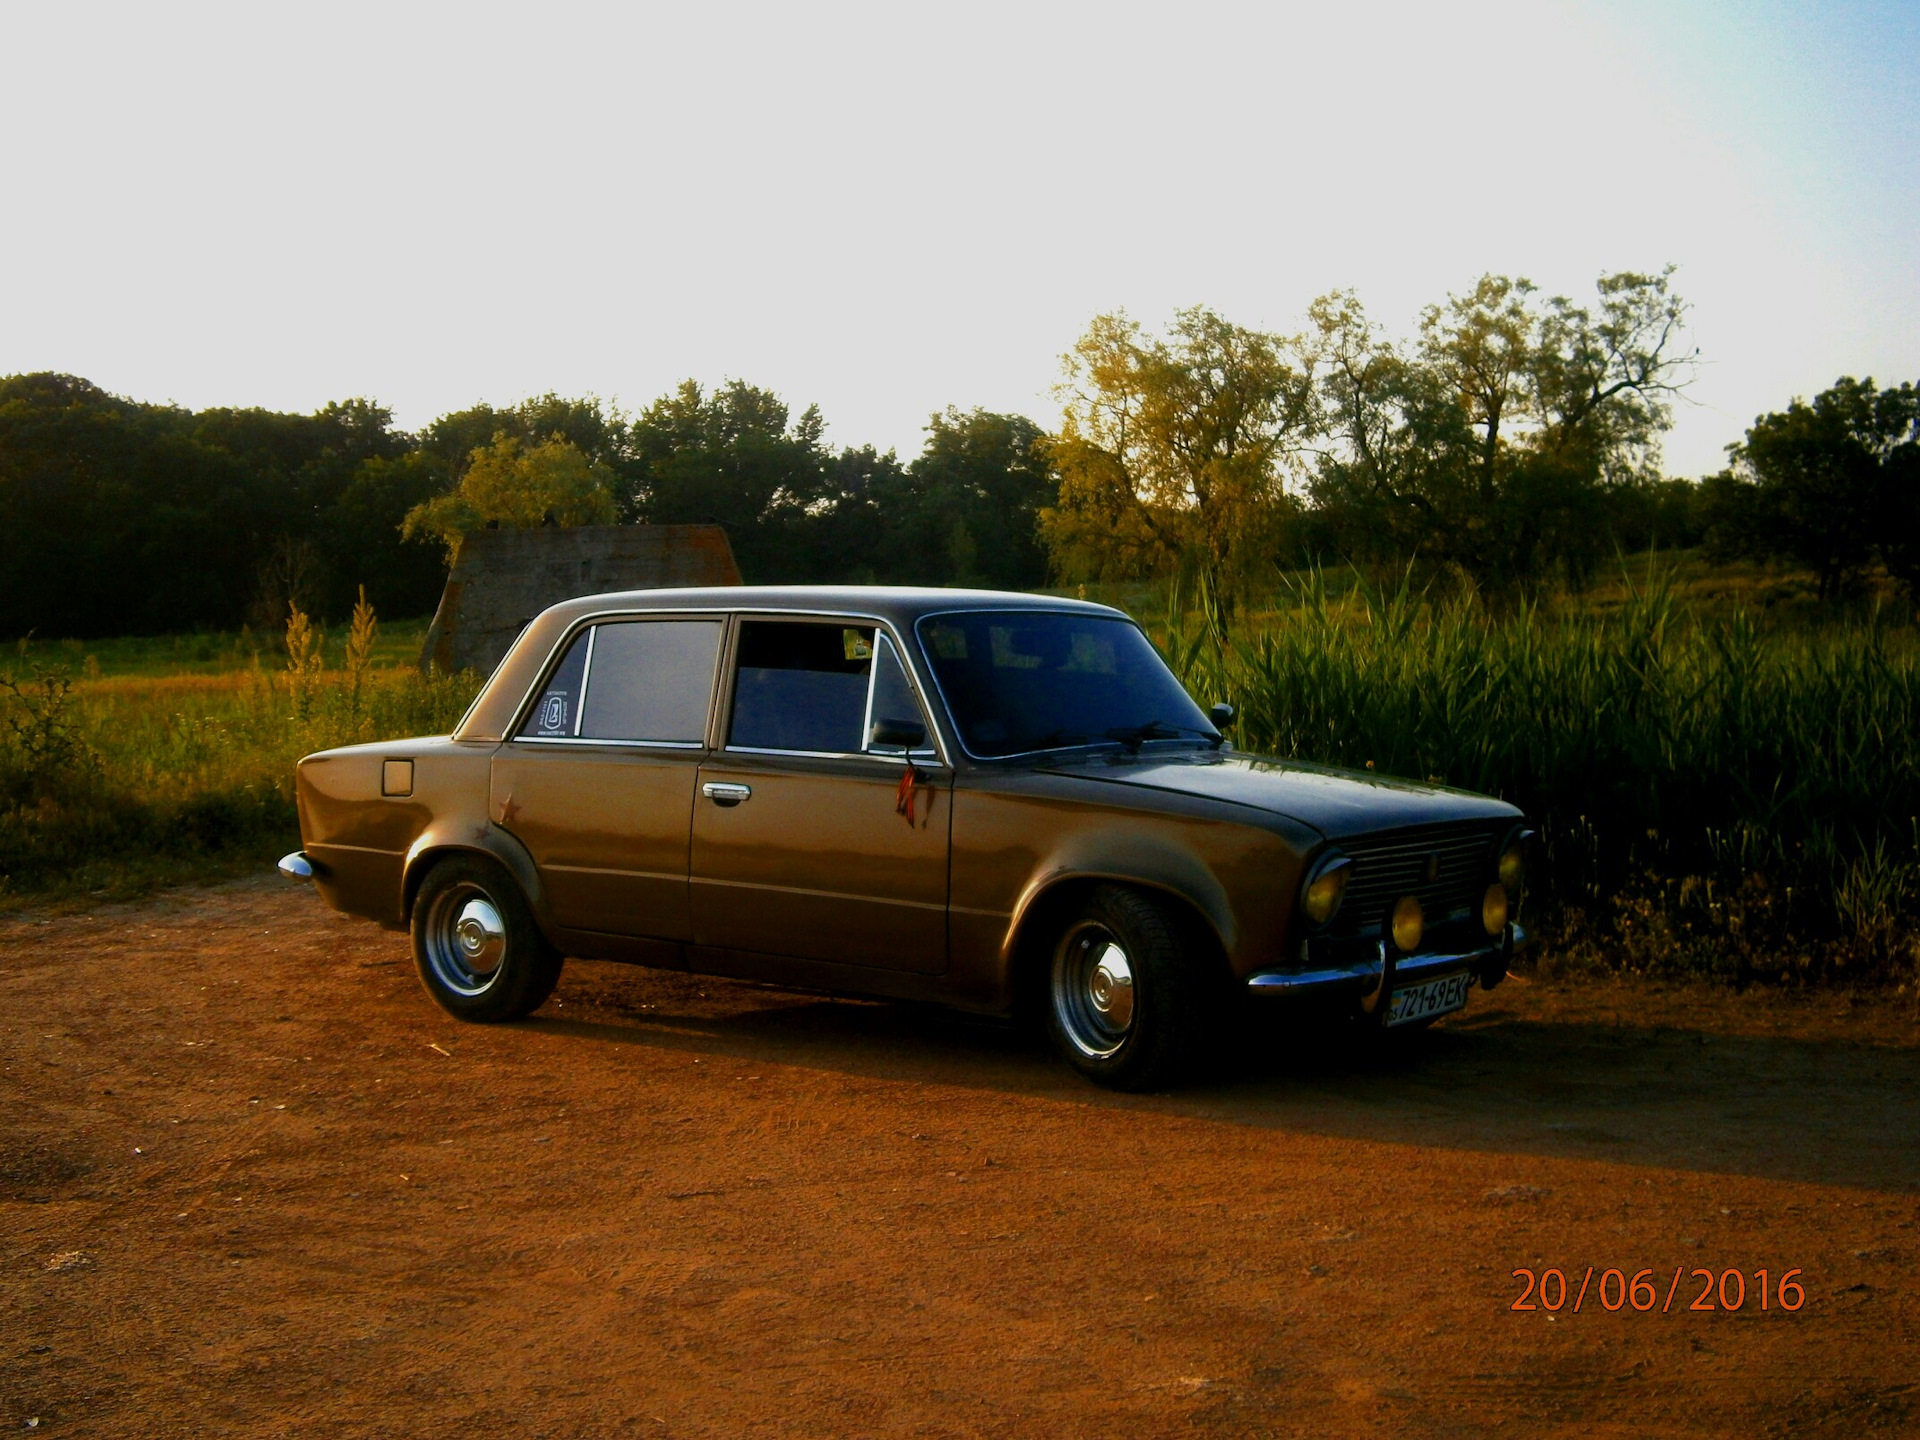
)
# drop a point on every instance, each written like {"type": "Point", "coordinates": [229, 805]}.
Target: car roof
{"type": "Point", "coordinates": [899, 605]}
{"type": "Point", "coordinates": [896, 603]}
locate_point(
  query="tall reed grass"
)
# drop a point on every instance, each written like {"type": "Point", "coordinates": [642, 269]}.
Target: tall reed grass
{"type": "Point", "coordinates": [1708, 796]}
{"type": "Point", "coordinates": [111, 783]}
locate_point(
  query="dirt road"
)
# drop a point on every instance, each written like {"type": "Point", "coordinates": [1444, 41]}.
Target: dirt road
{"type": "Point", "coordinates": [253, 1183]}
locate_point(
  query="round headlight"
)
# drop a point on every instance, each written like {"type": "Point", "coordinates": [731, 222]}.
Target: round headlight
{"type": "Point", "coordinates": [1513, 861]}
{"type": "Point", "coordinates": [1326, 887]}
{"type": "Point", "coordinates": [1493, 909]}
{"type": "Point", "coordinates": [1409, 923]}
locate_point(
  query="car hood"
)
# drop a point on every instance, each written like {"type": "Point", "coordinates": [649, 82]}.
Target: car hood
{"type": "Point", "coordinates": [1337, 803]}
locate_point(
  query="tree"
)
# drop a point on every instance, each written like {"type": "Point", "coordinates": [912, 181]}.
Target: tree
{"type": "Point", "coordinates": [1833, 485]}
{"type": "Point", "coordinates": [362, 533]}
{"type": "Point", "coordinates": [512, 485]}
{"type": "Point", "coordinates": [1496, 442]}
{"type": "Point", "coordinates": [965, 512]}
{"type": "Point", "coordinates": [1173, 451]}
{"type": "Point", "coordinates": [599, 433]}
{"type": "Point", "coordinates": [734, 457]}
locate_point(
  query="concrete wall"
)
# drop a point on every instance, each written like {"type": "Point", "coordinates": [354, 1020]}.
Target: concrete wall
{"type": "Point", "coordinates": [501, 579]}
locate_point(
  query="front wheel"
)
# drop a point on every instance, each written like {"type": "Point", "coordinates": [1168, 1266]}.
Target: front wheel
{"type": "Point", "coordinates": [479, 953]}
{"type": "Point", "coordinates": [1129, 991]}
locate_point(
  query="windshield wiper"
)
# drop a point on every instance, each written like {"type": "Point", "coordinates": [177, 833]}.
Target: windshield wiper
{"type": "Point", "coordinates": [1134, 736]}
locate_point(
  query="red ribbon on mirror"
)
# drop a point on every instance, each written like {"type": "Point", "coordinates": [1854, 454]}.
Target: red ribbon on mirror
{"type": "Point", "coordinates": [907, 794]}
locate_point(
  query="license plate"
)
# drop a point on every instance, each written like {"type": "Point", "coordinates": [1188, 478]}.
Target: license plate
{"type": "Point", "coordinates": [1436, 997]}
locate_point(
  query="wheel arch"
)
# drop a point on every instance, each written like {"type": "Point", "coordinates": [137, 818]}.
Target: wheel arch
{"type": "Point", "coordinates": [493, 843]}
{"type": "Point", "coordinates": [1025, 953]}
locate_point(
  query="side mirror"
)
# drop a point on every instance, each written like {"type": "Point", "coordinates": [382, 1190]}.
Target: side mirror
{"type": "Point", "coordinates": [892, 734]}
{"type": "Point", "coordinates": [1221, 715]}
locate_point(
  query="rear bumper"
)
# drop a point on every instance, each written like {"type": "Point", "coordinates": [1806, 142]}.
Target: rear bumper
{"type": "Point", "coordinates": [1363, 979]}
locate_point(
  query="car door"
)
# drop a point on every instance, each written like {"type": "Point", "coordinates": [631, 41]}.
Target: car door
{"type": "Point", "coordinates": [804, 840]}
{"type": "Point", "coordinates": [600, 778]}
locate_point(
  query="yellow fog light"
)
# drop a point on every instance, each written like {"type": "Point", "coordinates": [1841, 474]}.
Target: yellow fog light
{"type": "Point", "coordinates": [1408, 924]}
{"type": "Point", "coordinates": [1513, 862]}
{"type": "Point", "coordinates": [1324, 892]}
{"type": "Point", "coordinates": [1493, 909]}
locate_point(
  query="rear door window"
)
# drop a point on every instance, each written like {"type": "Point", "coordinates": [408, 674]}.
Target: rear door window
{"type": "Point", "coordinates": [645, 682]}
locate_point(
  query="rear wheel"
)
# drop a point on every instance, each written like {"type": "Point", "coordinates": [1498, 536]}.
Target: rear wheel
{"type": "Point", "coordinates": [475, 943]}
{"type": "Point", "coordinates": [1129, 990]}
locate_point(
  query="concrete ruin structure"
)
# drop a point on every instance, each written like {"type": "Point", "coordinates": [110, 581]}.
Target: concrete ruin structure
{"type": "Point", "coordinates": [501, 579]}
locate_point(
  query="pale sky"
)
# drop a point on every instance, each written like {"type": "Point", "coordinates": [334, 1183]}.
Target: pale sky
{"type": "Point", "coordinates": [888, 209]}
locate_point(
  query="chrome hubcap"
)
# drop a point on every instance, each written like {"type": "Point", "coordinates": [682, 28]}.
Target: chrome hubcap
{"type": "Point", "coordinates": [1110, 987]}
{"type": "Point", "coordinates": [1093, 992]}
{"type": "Point", "coordinates": [466, 940]}
{"type": "Point", "coordinates": [482, 937]}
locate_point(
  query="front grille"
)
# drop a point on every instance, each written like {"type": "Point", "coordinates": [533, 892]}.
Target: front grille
{"type": "Point", "coordinates": [1389, 866]}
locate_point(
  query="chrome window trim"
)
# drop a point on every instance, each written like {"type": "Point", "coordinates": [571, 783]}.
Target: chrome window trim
{"type": "Point", "coordinates": [920, 756]}
{"type": "Point", "coordinates": [933, 671]}
{"type": "Point", "coordinates": [586, 680]}
{"type": "Point", "coordinates": [625, 744]}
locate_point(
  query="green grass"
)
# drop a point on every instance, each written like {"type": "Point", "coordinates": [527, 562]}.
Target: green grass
{"type": "Point", "coordinates": [177, 764]}
{"type": "Point", "coordinates": [210, 653]}
{"type": "Point", "coordinates": [1711, 794]}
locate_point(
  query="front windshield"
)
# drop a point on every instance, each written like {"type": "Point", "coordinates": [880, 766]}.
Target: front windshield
{"type": "Point", "coordinates": [1024, 680]}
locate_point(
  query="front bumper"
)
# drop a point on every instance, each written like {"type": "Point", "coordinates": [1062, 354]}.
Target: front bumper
{"type": "Point", "coordinates": [1362, 979]}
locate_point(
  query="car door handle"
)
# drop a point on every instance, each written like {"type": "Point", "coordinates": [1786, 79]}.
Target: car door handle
{"type": "Point", "coordinates": [723, 792]}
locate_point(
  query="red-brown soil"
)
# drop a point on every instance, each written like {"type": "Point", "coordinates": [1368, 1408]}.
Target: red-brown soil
{"type": "Point", "coordinates": [253, 1183]}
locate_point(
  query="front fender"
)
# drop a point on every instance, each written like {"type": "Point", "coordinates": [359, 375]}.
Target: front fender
{"type": "Point", "coordinates": [1172, 871]}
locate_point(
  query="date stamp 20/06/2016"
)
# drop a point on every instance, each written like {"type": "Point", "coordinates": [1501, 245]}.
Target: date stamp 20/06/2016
{"type": "Point", "coordinates": [1727, 1290]}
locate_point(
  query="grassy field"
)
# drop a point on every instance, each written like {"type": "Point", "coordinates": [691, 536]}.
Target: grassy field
{"type": "Point", "coordinates": [130, 763]}
{"type": "Point", "coordinates": [1713, 793]}
{"type": "Point", "coordinates": [1723, 782]}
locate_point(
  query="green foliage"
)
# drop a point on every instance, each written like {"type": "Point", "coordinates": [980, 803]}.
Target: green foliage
{"type": "Point", "coordinates": [1514, 437]}
{"type": "Point", "coordinates": [180, 776]}
{"type": "Point", "coordinates": [513, 485]}
{"type": "Point", "coordinates": [118, 517]}
{"type": "Point", "coordinates": [1833, 485]}
{"type": "Point", "coordinates": [1172, 450]}
{"type": "Point", "coordinates": [42, 750]}
{"type": "Point", "coordinates": [1510, 440]}
{"type": "Point", "coordinates": [733, 456]}
{"type": "Point", "coordinates": [1776, 775]}
{"type": "Point", "coordinates": [965, 512]}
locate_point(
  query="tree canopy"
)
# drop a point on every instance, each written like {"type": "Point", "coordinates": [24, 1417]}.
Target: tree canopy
{"type": "Point", "coordinates": [120, 517]}
{"type": "Point", "coordinates": [512, 485]}
{"type": "Point", "coordinates": [1509, 436]}
{"type": "Point", "coordinates": [1833, 484]}
{"type": "Point", "coordinates": [1173, 450]}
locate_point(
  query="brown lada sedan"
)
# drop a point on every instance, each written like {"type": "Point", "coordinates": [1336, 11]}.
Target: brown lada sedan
{"type": "Point", "coordinates": [1003, 803]}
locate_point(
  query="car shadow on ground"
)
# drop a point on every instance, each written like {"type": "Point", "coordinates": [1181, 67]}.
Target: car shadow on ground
{"type": "Point", "coordinates": [1825, 1111]}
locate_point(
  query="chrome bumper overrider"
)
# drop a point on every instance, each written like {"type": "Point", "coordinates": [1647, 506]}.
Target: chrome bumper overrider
{"type": "Point", "coordinates": [1363, 977]}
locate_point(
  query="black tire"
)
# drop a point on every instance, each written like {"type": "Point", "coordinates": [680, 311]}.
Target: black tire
{"type": "Point", "coordinates": [479, 953]}
{"type": "Point", "coordinates": [1142, 1023]}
